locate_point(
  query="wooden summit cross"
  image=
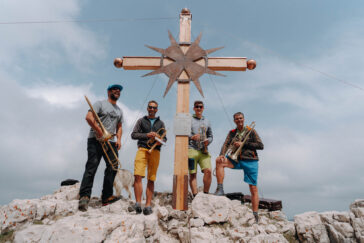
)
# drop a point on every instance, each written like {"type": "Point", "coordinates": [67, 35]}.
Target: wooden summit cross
{"type": "Point", "coordinates": [184, 62]}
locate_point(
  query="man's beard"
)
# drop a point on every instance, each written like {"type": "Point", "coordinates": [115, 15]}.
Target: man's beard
{"type": "Point", "coordinates": [112, 96]}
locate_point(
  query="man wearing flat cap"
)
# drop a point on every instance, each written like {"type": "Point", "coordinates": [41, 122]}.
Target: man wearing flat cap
{"type": "Point", "coordinates": [111, 117]}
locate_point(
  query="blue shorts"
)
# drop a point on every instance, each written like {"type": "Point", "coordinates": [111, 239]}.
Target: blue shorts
{"type": "Point", "coordinates": [250, 168]}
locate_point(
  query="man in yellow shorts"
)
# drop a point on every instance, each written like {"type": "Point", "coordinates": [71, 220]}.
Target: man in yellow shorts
{"type": "Point", "coordinates": [146, 128]}
{"type": "Point", "coordinates": [200, 138]}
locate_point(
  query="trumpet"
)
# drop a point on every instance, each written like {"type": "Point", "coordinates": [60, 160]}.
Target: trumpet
{"type": "Point", "coordinates": [153, 142]}
{"type": "Point", "coordinates": [104, 140]}
{"type": "Point", "coordinates": [201, 142]}
{"type": "Point", "coordinates": [233, 152]}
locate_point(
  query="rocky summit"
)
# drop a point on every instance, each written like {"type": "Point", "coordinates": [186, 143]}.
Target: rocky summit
{"type": "Point", "coordinates": [56, 218]}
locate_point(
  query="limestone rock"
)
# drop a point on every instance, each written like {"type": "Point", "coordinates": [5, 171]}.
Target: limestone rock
{"type": "Point", "coordinates": [338, 226]}
{"type": "Point", "coordinates": [210, 208]}
{"type": "Point", "coordinates": [197, 222]}
{"type": "Point", "coordinates": [310, 228]}
{"type": "Point", "coordinates": [268, 238]}
{"type": "Point", "coordinates": [81, 227]}
{"type": "Point", "coordinates": [55, 218]}
{"type": "Point", "coordinates": [357, 218]}
{"type": "Point", "coordinates": [18, 212]}
{"type": "Point", "coordinates": [162, 213]}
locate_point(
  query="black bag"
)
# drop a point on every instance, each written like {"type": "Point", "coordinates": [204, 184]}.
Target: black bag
{"type": "Point", "coordinates": [235, 196]}
{"type": "Point", "coordinates": [265, 203]}
{"type": "Point", "coordinates": [69, 182]}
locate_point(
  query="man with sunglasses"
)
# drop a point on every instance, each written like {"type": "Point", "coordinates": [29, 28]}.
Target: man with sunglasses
{"type": "Point", "coordinates": [111, 117]}
{"type": "Point", "coordinates": [200, 138]}
{"type": "Point", "coordinates": [146, 128]}
{"type": "Point", "coordinates": [247, 160]}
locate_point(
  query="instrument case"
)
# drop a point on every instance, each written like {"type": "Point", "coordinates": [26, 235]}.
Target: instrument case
{"type": "Point", "coordinates": [265, 203]}
{"type": "Point", "coordinates": [235, 196]}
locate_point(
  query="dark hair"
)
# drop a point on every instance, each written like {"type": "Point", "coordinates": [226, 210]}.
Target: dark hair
{"type": "Point", "coordinates": [153, 101]}
{"type": "Point", "coordinates": [198, 102]}
{"type": "Point", "coordinates": [238, 113]}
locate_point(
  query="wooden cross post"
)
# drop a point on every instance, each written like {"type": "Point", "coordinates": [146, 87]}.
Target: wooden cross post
{"type": "Point", "coordinates": [184, 62]}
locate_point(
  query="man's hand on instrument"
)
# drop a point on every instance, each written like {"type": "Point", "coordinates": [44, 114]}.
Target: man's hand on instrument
{"type": "Point", "coordinates": [206, 142]}
{"type": "Point", "coordinates": [99, 134]}
{"type": "Point", "coordinates": [221, 158]}
{"type": "Point", "coordinates": [118, 144]}
{"type": "Point", "coordinates": [152, 134]}
{"type": "Point", "coordinates": [237, 144]}
{"type": "Point", "coordinates": [196, 137]}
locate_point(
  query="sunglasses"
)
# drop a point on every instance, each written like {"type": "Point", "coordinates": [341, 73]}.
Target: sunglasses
{"type": "Point", "coordinates": [152, 107]}
{"type": "Point", "coordinates": [199, 106]}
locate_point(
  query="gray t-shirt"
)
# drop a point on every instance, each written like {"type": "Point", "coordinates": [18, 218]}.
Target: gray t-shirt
{"type": "Point", "coordinates": [110, 116]}
{"type": "Point", "coordinates": [198, 125]}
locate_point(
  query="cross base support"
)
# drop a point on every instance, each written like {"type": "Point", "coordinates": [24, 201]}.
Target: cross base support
{"type": "Point", "coordinates": [182, 202]}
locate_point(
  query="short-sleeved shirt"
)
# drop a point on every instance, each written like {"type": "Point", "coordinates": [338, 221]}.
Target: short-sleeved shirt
{"type": "Point", "coordinates": [196, 125]}
{"type": "Point", "coordinates": [110, 115]}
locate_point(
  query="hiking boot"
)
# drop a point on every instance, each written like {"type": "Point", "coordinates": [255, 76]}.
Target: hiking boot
{"type": "Point", "coordinates": [110, 200]}
{"type": "Point", "coordinates": [256, 217]}
{"type": "Point", "coordinates": [219, 190]}
{"type": "Point", "coordinates": [136, 207]}
{"type": "Point", "coordinates": [83, 203]}
{"type": "Point", "coordinates": [147, 210]}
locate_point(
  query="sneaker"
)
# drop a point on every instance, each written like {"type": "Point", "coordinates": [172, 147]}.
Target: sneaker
{"type": "Point", "coordinates": [83, 203]}
{"type": "Point", "coordinates": [110, 200]}
{"type": "Point", "coordinates": [136, 207]}
{"type": "Point", "coordinates": [147, 210]}
{"type": "Point", "coordinates": [219, 191]}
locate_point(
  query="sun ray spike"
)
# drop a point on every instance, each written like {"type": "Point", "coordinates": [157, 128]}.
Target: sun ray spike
{"type": "Point", "coordinates": [210, 71]}
{"type": "Point", "coordinates": [171, 38]}
{"type": "Point", "coordinates": [172, 78]}
{"type": "Point", "coordinates": [198, 86]}
{"type": "Point", "coordinates": [158, 71]}
{"type": "Point", "coordinates": [160, 50]}
{"type": "Point", "coordinates": [213, 50]}
{"type": "Point", "coordinates": [197, 40]}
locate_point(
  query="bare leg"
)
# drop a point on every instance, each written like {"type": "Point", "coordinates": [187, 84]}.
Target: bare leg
{"type": "Point", "coordinates": [193, 183]}
{"type": "Point", "coordinates": [255, 197]}
{"type": "Point", "coordinates": [220, 173]}
{"type": "Point", "coordinates": [150, 191]}
{"type": "Point", "coordinates": [206, 180]}
{"type": "Point", "coordinates": [221, 163]}
{"type": "Point", "coordinates": [138, 188]}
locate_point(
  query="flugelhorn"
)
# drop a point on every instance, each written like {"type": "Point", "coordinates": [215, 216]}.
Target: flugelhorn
{"type": "Point", "coordinates": [201, 142]}
{"type": "Point", "coordinates": [153, 142]}
{"type": "Point", "coordinates": [104, 140]}
{"type": "Point", "coordinates": [234, 152]}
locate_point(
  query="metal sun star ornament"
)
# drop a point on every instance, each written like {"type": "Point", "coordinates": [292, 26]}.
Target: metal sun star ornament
{"type": "Point", "coordinates": [184, 62]}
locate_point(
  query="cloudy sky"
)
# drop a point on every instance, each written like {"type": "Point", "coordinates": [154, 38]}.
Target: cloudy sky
{"type": "Point", "coordinates": [306, 94]}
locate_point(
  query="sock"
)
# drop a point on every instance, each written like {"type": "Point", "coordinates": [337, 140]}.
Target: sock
{"type": "Point", "coordinates": [219, 185]}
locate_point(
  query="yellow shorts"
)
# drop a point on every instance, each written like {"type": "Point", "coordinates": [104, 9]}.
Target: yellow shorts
{"type": "Point", "coordinates": [144, 159]}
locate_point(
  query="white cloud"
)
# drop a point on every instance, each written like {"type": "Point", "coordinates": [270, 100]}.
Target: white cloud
{"type": "Point", "coordinates": [29, 41]}
{"type": "Point", "coordinates": [67, 96]}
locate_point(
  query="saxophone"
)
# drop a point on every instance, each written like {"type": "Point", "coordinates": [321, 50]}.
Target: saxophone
{"type": "Point", "coordinates": [233, 152]}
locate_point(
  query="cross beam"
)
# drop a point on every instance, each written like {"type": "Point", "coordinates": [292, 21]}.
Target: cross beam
{"type": "Point", "coordinates": [178, 63]}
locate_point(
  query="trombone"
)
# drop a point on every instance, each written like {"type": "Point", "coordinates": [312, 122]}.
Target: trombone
{"type": "Point", "coordinates": [153, 142]}
{"type": "Point", "coordinates": [104, 140]}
